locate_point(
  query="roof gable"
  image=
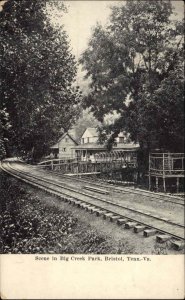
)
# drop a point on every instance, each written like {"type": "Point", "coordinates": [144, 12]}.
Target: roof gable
{"type": "Point", "coordinates": [67, 134]}
{"type": "Point", "coordinates": [93, 132]}
{"type": "Point", "coordinates": [90, 132]}
{"type": "Point", "coordinates": [55, 146]}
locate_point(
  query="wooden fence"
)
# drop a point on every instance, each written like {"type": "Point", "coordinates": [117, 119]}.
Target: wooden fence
{"type": "Point", "coordinates": [84, 167]}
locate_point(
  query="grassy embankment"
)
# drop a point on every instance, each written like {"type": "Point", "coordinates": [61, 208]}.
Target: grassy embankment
{"type": "Point", "coordinates": [29, 225]}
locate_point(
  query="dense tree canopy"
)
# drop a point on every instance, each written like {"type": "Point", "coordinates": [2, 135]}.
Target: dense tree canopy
{"type": "Point", "coordinates": [37, 74]}
{"type": "Point", "coordinates": [85, 120]}
{"type": "Point", "coordinates": [5, 128]}
{"type": "Point", "coordinates": [135, 64]}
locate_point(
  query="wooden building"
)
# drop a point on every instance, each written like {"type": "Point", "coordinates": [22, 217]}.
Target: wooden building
{"type": "Point", "coordinates": [167, 169]}
{"type": "Point", "coordinates": [90, 150]}
{"type": "Point", "coordinates": [64, 148]}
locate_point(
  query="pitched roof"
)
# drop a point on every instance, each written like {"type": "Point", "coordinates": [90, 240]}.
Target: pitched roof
{"type": "Point", "coordinates": [55, 146]}
{"type": "Point", "coordinates": [93, 131]}
{"type": "Point", "coordinates": [64, 135]}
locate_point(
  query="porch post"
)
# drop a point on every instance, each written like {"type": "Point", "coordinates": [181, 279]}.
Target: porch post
{"type": "Point", "coordinates": [177, 184]}
{"type": "Point", "coordinates": [52, 165]}
{"type": "Point", "coordinates": [164, 182]}
{"type": "Point", "coordinates": [157, 183]}
{"type": "Point", "coordinates": [149, 175]}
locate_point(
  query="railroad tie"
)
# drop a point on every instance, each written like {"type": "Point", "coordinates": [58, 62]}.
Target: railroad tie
{"type": "Point", "coordinates": [94, 209]}
{"type": "Point", "coordinates": [89, 207]}
{"type": "Point", "coordinates": [83, 205]}
{"type": "Point", "coordinates": [177, 245]}
{"type": "Point", "coordinates": [121, 221]}
{"type": "Point", "coordinates": [107, 215]}
{"type": "Point", "coordinates": [71, 200]}
{"type": "Point", "coordinates": [129, 225]}
{"type": "Point", "coordinates": [114, 218]}
{"type": "Point", "coordinates": [99, 212]}
{"type": "Point", "coordinates": [76, 202]}
{"type": "Point", "coordinates": [66, 199]}
{"type": "Point", "coordinates": [162, 238]}
{"type": "Point", "coordinates": [149, 232]}
{"type": "Point", "coordinates": [139, 228]}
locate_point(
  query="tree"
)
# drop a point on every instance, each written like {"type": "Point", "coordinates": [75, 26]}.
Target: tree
{"type": "Point", "coordinates": [4, 133]}
{"type": "Point", "coordinates": [37, 75]}
{"type": "Point", "coordinates": [134, 64]}
{"type": "Point", "coordinates": [86, 119]}
{"type": "Point", "coordinates": [168, 111]}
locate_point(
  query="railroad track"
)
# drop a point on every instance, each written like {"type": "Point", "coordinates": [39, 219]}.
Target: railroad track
{"type": "Point", "coordinates": [147, 194]}
{"type": "Point", "coordinates": [150, 195]}
{"type": "Point", "coordinates": [123, 215]}
{"type": "Point", "coordinates": [93, 190]}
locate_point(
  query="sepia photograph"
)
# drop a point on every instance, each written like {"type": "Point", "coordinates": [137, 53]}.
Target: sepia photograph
{"type": "Point", "coordinates": [92, 135]}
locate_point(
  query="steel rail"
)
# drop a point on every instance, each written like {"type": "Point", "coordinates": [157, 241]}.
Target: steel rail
{"type": "Point", "coordinates": [147, 194]}
{"type": "Point", "coordinates": [99, 199]}
{"type": "Point", "coordinates": [52, 190]}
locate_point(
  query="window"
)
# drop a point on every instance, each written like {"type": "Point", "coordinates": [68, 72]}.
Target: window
{"type": "Point", "coordinates": [88, 140]}
{"type": "Point", "coordinates": [82, 140]}
{"type": "Point", "coordinates": [121, 140]}
{"type": "Point", "coordinates": [66, 139]}
{"type": "Point", "coordinates": [64, 149]}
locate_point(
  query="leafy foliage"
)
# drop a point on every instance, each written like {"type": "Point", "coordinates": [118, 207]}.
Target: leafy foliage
{"type": "Point", "coordinates": [37, 75]}
{"type": "Point", "coordinates": [5, 127]}
{"type": "Point", "coordinates": [85, 120]}
{"type": "Point", "coordinates": [28, 225]}
{"type": "Point", "coordinates": [134, 63]}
